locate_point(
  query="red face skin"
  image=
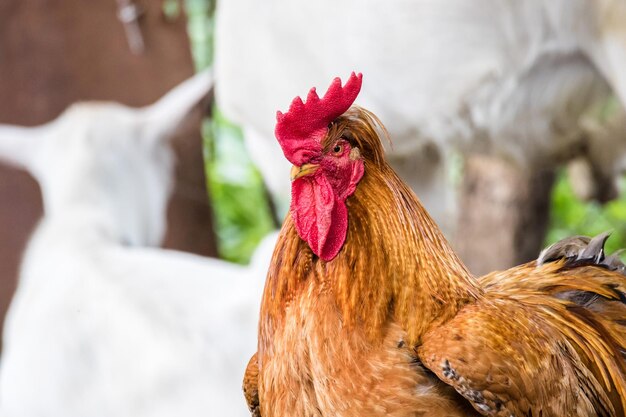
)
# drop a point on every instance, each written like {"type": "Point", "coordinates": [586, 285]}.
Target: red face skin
{"type": "Point", "coordinates": [319, 191]}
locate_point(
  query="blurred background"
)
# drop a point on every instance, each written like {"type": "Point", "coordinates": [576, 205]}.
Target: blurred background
{"type": "Point", "coordinates": [53, 54]}
{"type": "Point", "coordinates": [56, 52]}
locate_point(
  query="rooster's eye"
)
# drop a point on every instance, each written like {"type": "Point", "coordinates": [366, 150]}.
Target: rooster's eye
{"type": "Point", "coordinates": [337, 149]}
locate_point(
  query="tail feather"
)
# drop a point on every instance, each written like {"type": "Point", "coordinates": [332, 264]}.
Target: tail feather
{"type": "Point", "coordinates": [581, 251]}
{"type": "Point", "coordinates": [600, 299]}
{"type": "Point", "coordinates": [590, 289]}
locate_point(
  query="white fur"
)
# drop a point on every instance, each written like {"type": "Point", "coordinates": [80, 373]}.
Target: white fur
{"type": "Point", "coordinates": [511, 78]}
{"type": "Point", "coordinates": [102, 324]}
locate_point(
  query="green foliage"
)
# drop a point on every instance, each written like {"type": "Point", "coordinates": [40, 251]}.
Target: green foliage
{"type": "Point", "coordinates": [241, 210]}
{"type": "Point", "coordinates": [569, 216]}
{"type": "Point", "coordinates": [242, 213]}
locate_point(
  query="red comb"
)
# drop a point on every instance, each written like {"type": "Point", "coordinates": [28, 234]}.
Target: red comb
{"type": "Point", "coordinates": [301, 129]}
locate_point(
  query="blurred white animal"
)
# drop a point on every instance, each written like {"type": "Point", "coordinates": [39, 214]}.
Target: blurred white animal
{"type": "Point", "coordinates": [102, 325]}
{"type": "Point", "coordinates": [510, 78]}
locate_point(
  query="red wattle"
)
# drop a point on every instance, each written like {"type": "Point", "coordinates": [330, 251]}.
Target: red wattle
{"type": "Point", "coordinates": [321, 219]}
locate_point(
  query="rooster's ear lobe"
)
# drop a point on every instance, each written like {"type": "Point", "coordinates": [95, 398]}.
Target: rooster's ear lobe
{"type": "Point", "coordinates": [19, 145]}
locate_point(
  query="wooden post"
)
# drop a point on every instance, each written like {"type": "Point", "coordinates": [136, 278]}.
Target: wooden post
{"type": "Point", "coordinates": [503, 213]}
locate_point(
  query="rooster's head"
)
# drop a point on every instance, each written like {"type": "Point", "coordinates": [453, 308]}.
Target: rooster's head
{"type": "Point", "coordinates": [323, 143]}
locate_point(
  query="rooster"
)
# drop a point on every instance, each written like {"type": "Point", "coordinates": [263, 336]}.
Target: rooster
{"type": "Point", "coordinates": [367, 311]}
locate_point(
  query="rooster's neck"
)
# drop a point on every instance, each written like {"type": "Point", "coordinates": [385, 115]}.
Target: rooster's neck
{"type": "Point", "coordinates": [395, 264]}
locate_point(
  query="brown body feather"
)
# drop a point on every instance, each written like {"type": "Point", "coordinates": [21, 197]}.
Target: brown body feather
{"type": "Point", "coordinates": [527, 349]}
{"type": "Point", "coordinates": [350, 337]}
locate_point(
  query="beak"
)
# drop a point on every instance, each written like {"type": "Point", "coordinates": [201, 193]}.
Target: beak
{"type": "Point", "coordinates": [306, 169]}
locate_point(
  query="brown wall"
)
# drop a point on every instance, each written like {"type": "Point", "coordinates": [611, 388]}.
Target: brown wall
{"type": "Point", "coordinates": [55, 52]}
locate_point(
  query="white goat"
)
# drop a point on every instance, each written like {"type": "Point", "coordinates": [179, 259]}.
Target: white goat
{"type": "Point", "coordinates": [510, 78]}
{"type": "Point", "coordinates": [101, 325]}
